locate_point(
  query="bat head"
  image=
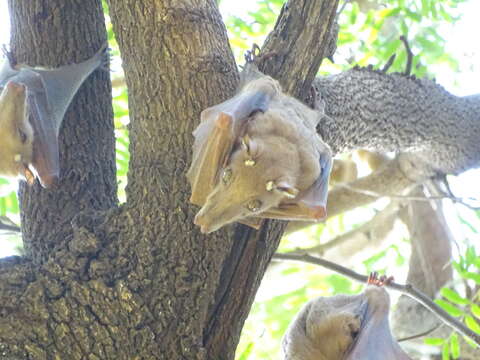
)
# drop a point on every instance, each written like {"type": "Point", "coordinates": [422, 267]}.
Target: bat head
{"type": "Point", "coordinates": [16, 133]}
{"type": "Point", "coordinates": [344, 327]}
{"type": "Point", "coordinates": [253, 181]}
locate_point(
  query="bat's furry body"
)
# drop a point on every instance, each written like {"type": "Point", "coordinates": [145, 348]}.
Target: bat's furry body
{"type": "Point", "coordinates": [344, 327]}
{"type": "Point", "coordinates": [16, 133]}
{"type": "Point", "coordinates": [30, 123]}
{"type": "Point", "coordinates": [258, 155]}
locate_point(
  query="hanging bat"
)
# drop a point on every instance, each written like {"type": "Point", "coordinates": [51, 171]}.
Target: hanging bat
{"type": "Point", "coordinates": [345, 327]}
{"type": "Point", "coordinates": [257, 155]}
{"type": "Point", "coordinates": [32, 105]}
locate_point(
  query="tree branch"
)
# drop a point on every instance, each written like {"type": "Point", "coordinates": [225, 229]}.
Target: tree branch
{"type": "Point", "coordinates": [299, 41]}
{"type": "Point", "coordinates": [381, 223]}
{"type": "Point", "coordinates": [392, 112]}
{"type": "Point", "coordinates": [388, 179]}
{"type": "Point", "coordinates": [41, 35]}
{"type": "Point", "coordinates": [404, 289]}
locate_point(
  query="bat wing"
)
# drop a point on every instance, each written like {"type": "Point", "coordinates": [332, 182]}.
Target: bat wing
{"type": "Point", "coordinates": [311, 204]}
{"type": "Point", "coordinates": [375, 342]}
{"type": "Point", "coordinates": [46, 158]}
{"type": "Point", "coordinates": [49, 93]}
{"type": "Point", "coordinates": [219, 129]}
{"type": "Point", "coordinates": [61, 84]}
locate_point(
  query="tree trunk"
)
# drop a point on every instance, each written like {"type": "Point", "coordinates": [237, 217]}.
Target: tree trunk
{"type": "Point", "coordinates": [101, 282]}
{"type": "Point", "coordinates": [138, 281]}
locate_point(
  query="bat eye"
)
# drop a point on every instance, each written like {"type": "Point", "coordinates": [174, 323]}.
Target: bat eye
{"type": "Point", "coordinates": [254, 205]}
{"type": "Point", "coordinates": [227, 176]}
{"type": "Point", "coordinates": [23, 136]}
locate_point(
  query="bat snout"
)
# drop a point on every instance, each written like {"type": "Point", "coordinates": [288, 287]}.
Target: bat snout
{"type": "Point", "coordinates": [201, 221]}
{"type": "Point", "coordinates": [15, 88]}
{"type": "Point", "coordinates": [48, 180]}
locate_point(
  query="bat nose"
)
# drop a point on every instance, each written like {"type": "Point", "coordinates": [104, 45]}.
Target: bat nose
{"type": "Point", "coordinates": [48, 180]}
{"type": "Point", "coordinates": [200, 221]}
{"type": "Point", "coordinates": [15, 88]}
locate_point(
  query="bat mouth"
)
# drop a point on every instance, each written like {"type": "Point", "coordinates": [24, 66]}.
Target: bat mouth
{"type": "Point", "coordinates": [206, 226]}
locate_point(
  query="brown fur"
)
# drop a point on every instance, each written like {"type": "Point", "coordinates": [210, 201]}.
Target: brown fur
{"type": "Point", "coordinates": [267, 143]}
{"type": "Point", "coordinates": [344, 328]}
{"type": "Point", "coordinates": [15, 154]}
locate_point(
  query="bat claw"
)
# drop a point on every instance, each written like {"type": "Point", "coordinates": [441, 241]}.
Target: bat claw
{"type": "Point", "coordinates": [15, 87]}
{"type": "Point", "coordinates": [373, 279]}
{"type": "Point", "coordinates": [224, 121]}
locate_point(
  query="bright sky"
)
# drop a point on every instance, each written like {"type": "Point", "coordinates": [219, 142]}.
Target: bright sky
{"type": "Point", "coordinates": [462, 43]}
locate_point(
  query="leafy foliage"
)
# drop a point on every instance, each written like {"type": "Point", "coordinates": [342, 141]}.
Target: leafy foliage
{"type": "Point", "coordinates": [461, 306]}
{"type": "Point", "coordinates": [369, 34]}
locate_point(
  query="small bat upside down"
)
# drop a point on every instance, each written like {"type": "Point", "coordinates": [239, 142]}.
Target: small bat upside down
{"type": "Point", "coordinates": [257, 155]}
{"type": "Point", "coordinates": [33, 102]}
{"type": "Point", "coordinates": [345, 327]}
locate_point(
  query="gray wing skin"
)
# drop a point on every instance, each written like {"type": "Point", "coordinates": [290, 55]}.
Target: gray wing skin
{"type": "Point", "coordinates": [49, 93]}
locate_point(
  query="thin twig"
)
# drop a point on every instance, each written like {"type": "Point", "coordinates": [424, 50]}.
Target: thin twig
{"type": "Point", "coordinates": [346, 2]}
{"type": "Point", "coordinates": [380, 219]}
{"type": "Point", "coordinates": [408, 68]}
{"type": "Point", "coordinates": [389, 63]}
{"type": "Point", "coordinates": [407, 197]}
{"type": "Point", "coordinates": [8, 225]}
{"type": "Point", "coordinates": [407, 289]}
{"type": "Point", "coordinates": [422, 334]}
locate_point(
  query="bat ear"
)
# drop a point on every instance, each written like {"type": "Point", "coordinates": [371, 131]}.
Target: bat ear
{"type": "Point", "coordinates": [251, 147]}
{"type": "Point", "coordinates": [307, 205]}
{"type": "Point", "coordinates": [220, 128]}
{"type": "Point", "coordinates": [286, 189]}
{"type": "Point", "coordinates": [246, 144]}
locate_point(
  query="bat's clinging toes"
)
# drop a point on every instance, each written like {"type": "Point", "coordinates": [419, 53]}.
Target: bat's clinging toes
{"type": "Point", "coordinates": [33, 102]}
{"type": "Point", "coordinates": [257, 155]}
{"type": "Point", "coordinates": [345, 328]}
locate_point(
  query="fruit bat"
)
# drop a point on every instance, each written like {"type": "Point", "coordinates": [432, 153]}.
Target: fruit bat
{"type": "Point", "coordinates": [33, 102]}
{"type": "Point", "coordinates": [345, 327]}
{"type": "Point", "coordinates": [258, 155]}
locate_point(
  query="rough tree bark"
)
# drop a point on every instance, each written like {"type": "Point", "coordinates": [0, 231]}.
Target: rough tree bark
{"type": "Point", "coordinates": [138, 281]}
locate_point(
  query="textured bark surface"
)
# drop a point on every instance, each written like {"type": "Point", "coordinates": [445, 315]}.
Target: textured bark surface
{"type": "Point", "coordinates": [370, 109]}
{"type": "Point", "coordinates": [139, 281]}
{"type": "Point", "coordinates": [53, 33]}
{"type": "Point", "coordinates": [136, 281]}
{"type": "Point", "coordinates": [302, 26]}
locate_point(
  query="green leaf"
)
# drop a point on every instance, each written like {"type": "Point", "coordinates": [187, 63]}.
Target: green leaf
{"type": "Point", "coordinates": [473, 276]}
{"type": "Point", "coordinates": [290, 270]}
{"type": "Point", "coordinates": [454, 297]}
{"type": "Point", "coordinates": [454, 346]}
{"type": "Point", "coordinates": [413, 15]}
{"type": "Point", "coordinates": [434, 341]}
{"type": "Point", "coordinates": [470, 255]}
{"type": "Point", "coordinates": [449, 308]}
{"type": "Point", "coordinates": [445, 351]}
{"type": "Point", "coordinates": [246, 353]}
{"type": "Point", "coordinates": [475, 309]}
{"type": "Point", "coordinates": [340, 284]}
{"type": "Point", "coordinates": [425, 7]}
{"type": "Point", "coordinates": [354, 13]}
{"type": "Point", "coordinates": [472, 324]}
